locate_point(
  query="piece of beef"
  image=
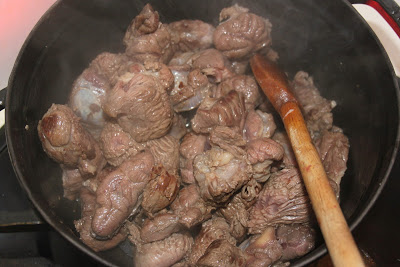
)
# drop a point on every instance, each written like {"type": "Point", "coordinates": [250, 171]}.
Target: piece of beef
{"type": "Point", "coordinates": [191, 146]}
{"type": "Point", "coordinates": [191, 35]}
{"type": "Point", "coordinates": [228, 139]}
{"type": "Point", "coordinates": [229, 110]}
{"type": "Point", "coordinates": [110, 66]}
{"type": "Point", "coordinates": [182, 61]}
{"type": "Point", "coordinates": [190, 89]}
{"type": "Point", "coordinates": [236, 212]}
{"type": "Point", "coordinates": [178, 128]}
{"type": "Point", "coordinates": [72, 183]}
{"type": "Point", "coordinates": [222, 253]}
{"type": "Point", "coordinates": [160, 227]}
{"type": "Point", "coordinates": [212, 63]}
{"type": "Point", "coordinates": [241, 33]}
{"type": "Point", "coordinates": [165, 151]}
{"type": "Point", "coordinates": [264, 249]}
{"type": "Point", "coordinates": [118, 193]}
{"type": "Point", "coordinates": [87, 97]}
{"type": "Point", "coordinates": [67, 142]}
{"type": "Point", "coordinates": [160, 191]}
{"type": "Point", "coordinates": [117, 145]}
{"type": "Point", "coordinates": [163, 253]}
{"type": "Point", "coordinates": [190, 207]}
{"type": "Point", "coordinates": [83, 225]}
{"type": "Point", "coordinates": [245, 84]}
{"type": "Point", "coordinates": [161, 72]}
{"type": "Point", "coordinates": [146, 22]}
{"type": "Point", "coordinates": [240, 67]}
{"type": "Point", "coordinates": [219, 174]}
{"type": "Point", "coordinates": [147, 39]}
{"type": "Point", "coordinates": [93, 183]}
{"type": "Point", "coordinates": [283, 200]}
{"type": "Point", "coordinates": [258, 124]}
{"type": "Point", "coordinates": [262, 149]}
{"type": "Point", "coordinates": [289, 159]}
{"type": "Point", "coordinates": [296, 240]}
{"type": "Point", "coordinates": [141, 106]}
{"type": "Point", "coordinates": [333, 148]}
{"type": "Point", "coordinates": [213, 229]}
{"type": "Point", "coordinates": [316, 109]}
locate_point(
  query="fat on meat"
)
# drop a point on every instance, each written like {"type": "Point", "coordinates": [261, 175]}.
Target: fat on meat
{"type": "Point", "coordinates": [160, 191]}
{"type": "Point", "coordinates": [66, 141]}
{"type": "Point", "coordinates": [83, 225]}
{"type": "Point", "coordinates": [141, 106]}
{"type": "Point", "coordinates": [229, 110]}
{"type": "Point", "coordinates": [190, 207]}
{"type": "Point", "coordinates": [211, 230]}
{"type": "Point", "coordinates": [72, 183]}
{"type": "Point", "coordinates": [117, 195]}
{"type": "Point", "coordinates": [219, 174]}
{"type": "Point", "coordinates": [163, 253]}
{"type": "Point", "coordinates": [191, 146]}
{"type": "Point", "coordinates": [283, 200]}
{"type": "Point", "coordinates": [191, 35]}
{"type": "Point", "coordinates": [241, 33]}
{"type": "Point", "coordinates": [147, 39]}
{"type": "Point", "coordinates": [258, 124]}
{"type": "Point", "coordinates": [244, 84]}
{"type": "Point", "coordinates": [178, 128]}
{"type": "Point", "coordinates": [117, 145]}
{"type": "Point", "coordinates": [228, 139]}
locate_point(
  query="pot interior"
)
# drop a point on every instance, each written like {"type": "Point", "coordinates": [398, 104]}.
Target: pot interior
{"type": "Point", "coordinates": [326, 39]}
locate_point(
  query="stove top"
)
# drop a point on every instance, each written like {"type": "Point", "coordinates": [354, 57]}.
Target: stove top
{"type": "Point", "coordinates": [26, 239]}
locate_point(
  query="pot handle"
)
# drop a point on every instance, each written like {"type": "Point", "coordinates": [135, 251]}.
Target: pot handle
{"type": "Point", "coordinates": [3, 93]}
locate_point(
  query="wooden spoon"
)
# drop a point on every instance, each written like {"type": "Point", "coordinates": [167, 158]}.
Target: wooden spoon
{"type": "Point", "coordinates": [335, 230]}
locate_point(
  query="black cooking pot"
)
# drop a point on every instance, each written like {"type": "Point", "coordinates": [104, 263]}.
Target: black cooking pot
{"type": "Point", "coordinates": [325, 38]}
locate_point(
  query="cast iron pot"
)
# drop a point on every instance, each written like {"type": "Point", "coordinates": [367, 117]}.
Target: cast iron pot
{"type": "Point", "coordinates": [325, 38]}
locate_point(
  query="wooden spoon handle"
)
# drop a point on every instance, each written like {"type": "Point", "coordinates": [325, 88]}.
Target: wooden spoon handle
{"type": "Point", "coordinates": [334, 228]}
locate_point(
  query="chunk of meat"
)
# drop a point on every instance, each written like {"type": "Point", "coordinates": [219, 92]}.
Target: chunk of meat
{"type": "Point", "coordinates": [333, 148]}
{"type": "Point", "coordinates": [141, 107]}
{"type": "Point", "coordinates": [264, 250]}
{"type": "Point", "coordinates": [160, 191]}
{"type": "Point", "coordinates": [240, 67]}
{"type": "Point", "coordinates": [222, 253]}
{"type": "Point", "coordinates": [159, 71]}
{"type": "Point", "coordinates": [191, 146]}
{"type": "Point", "coordinates": [262, 149]}
{"type": "Point", "coordinates": [117, 145]}
{"type": "Point", "coordinates": [228, 139]}
{"type": "Point", "coordinates": [244, 84]}
{"type": "Point", "coordinates": [110, 66]}
{"type": "Point", "coordinates": [212, 63]}
{"type": "Point", "coordinates": [258, 124]}
{"type": "Point", "coordinates": [241, 33]}
{"type": "Point", "coordinates": [236, 212]}
{"type": "Point", "coordinates": [165, 151]}
{"type": "Point", "coordinates": [146, 22]}
{"type": "Point", "coordinates": [190, 89]}
{"type": "Point", "coordinates": [118, 193]}
{"type": "Point", "coordinates": [83, 225]}
{"type": "Point", "coordinates": [72, 183]}
{"type": "Point", "coordinates": [283, 200]}
{"type": "Point", "coordinates": [93, 183]}
{"type": "Point", "coordinates": [160, 227]}
{"type": "Point", "coordinates": [211, 230]}
{"type": "Point", "coordinates": [191, 35]}
{"type": "Point", "coordinates": [219, 174]}
{"type": "Point", "coordinates": [67, 142]}
{"type": "Point", "coordinates": [296, 240]}
{"type": "Point", "coordinates": [316, 109]}
{"type": "Point", "coordinates": [163, 253]}
{"type": "Point", "coordinates": [190, 207]}
{"type": "Point", "coordinates": [228, 110]}
{"type": "Point", "coordinates": [147, 39]}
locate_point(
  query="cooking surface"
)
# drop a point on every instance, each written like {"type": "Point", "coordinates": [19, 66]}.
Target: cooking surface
{"type": "Point", "coordinates": [26, 239]}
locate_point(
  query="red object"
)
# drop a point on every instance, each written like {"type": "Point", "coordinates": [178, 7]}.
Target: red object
{"type": "Point", "coordinates": [385, 15]}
